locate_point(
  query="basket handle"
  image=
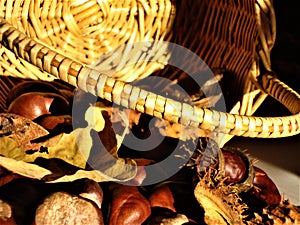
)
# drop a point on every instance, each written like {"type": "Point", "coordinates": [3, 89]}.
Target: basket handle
{"type": "Point", "coordinates": [135, 98]}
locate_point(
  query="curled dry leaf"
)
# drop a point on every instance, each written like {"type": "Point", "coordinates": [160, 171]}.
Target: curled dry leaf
{"type": "Point", "coordinates": [64, 208]}
{"type": "Point", "coordinates": [9, 148]}
{"type": "Point", "coordinates": [116, 173]}
{"type": "Point", "coordinates": [120, 170]}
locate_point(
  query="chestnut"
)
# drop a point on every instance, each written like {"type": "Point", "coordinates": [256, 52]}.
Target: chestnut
{"type": "Point", "coordinates": [166, 217]}
{"type": "Point", "coordinates": [127, 205]}
{"type": "Point", "coordinates": [55, 124]}
{"type": "Point", "coordinates": [162, 197]}
{"type": "Point", "coordinates": [30, 86]}
{"type": "Point", "coordinates": [34, 104]}
{"type": "Point", "coordinates": [93, 192]}
{"type": "Point", "coordinates": [236, 166]}
{"type": "Point", "coordinates": [64, 208]}
{"type": "Point", "coordinates": [264, 188]}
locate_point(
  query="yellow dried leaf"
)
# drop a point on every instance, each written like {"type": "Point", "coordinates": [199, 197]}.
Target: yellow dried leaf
{"type": "Point", "coordinates": [72, 148]}
{"type": "Point", "coordinates": [75, 149]}
{"type": "Point", "coordinates": [23, 168]}
{"type": "Point", "coordinates": [123, 170]}
{"type": "Point", "coordinates": [9, 148]}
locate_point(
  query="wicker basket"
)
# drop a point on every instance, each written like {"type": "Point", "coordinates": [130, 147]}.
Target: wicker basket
{"type": "Point", "coordinates": [62, 39]}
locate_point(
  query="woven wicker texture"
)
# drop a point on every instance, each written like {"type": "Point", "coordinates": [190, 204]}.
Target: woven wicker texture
{"type": "Point", "coordinates": [86, 30]}
{"type": "Point", "coordinates": [63, 38]}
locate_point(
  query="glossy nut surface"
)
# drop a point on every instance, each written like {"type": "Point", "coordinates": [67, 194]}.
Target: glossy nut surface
{"type": "Point", "coordinates": [34, 104]}
{"type": "Point", "coordinates": [264, 188]}
{"type": "Point", "coordinates": [235, 167]}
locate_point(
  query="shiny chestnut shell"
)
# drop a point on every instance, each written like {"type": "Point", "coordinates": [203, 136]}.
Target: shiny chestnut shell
{"type": "Point", "coordinates": [30, 86]}
{"type": "Point", "coordinates": [236, 166]}
{"type": "Point", "coordinates": [264, 188]}
{"type": "Point", "coordinates": [34, 104]}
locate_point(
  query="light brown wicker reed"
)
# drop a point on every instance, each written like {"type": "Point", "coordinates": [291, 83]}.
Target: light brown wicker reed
{"type": "Point", "coordinates": [62, 39]}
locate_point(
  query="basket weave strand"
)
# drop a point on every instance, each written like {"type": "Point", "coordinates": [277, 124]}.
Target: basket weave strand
{"type": "Point", "coordinates": [143, 101]}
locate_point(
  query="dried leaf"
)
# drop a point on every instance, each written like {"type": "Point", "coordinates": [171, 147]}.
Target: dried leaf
{"type": "Point", "coordinates": [72, 150]}
{"type": "Point", "coordinates": [122, 170]}
{"type": "Point", "coordinates": [9, 148]}
{"type": "Point", "coordinates": [66, 149]}
{"type": "Point", "coordinates": [23, 168]}
{"type": "Point", "coordinates": [75, 149]}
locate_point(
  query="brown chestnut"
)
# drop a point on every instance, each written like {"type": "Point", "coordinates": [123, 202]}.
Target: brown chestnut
{"type": "Point", "coordinates": [162, 197]}
{"type": "Point", "coordinates": [55, 124]}
{"type": "Point", "coordinates": [92, 191]}
{"type": "Point", "coordinates": [264, 188]}
{"type": "Point", "coordinates": [128, 205]}
{"type": "Point", "coordinates": [34, 104]}
{"type": "Point", "coordinates": [237, 168]}
{"type": "Point", "coordinates": [30, 86]}
{"type": "Point", "coordinates": [64, 208]}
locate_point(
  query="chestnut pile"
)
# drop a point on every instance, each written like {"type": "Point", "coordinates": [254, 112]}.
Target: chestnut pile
{"type": "Point", "coordinates": [216, 186]}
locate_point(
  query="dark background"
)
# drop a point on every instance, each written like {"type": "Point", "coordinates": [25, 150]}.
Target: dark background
{"type": "Point", "coordinates": [285, 56]}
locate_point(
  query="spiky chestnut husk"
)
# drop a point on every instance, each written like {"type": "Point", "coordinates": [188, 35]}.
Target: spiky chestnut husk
{"type": "Point", "coordinates": [205, 156]}
{"type": "Point", "coordinates": [284, 213]}
{"type": "Point", "coordinates": [234, 165]}
{"type": "Point", "coordinates": [220, 201]}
